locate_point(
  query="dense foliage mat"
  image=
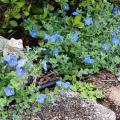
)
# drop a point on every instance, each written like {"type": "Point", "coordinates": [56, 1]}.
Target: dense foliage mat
{"type": "Point", "coordinates": [76, 38]}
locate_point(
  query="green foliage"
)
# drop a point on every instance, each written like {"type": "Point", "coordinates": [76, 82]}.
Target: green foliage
{"type": "Point", "coordinates": [14, 12]}
{"type": "Point", "coordinates": [49, 17]}
{"type": "Point", "coordinates": [87, 90]}
{"type": "Point", "coordinates": [24, 95]}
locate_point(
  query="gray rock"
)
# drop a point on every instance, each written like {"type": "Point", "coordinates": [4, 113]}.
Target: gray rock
{"type": "Point", "coordinates": [72, 107]}
{"type": "Point", "coordinates": [3, 42]}
{"type": "Point", "coordinates": [114, 95]}
{"type": "Point", "coordinates": [12, 46]}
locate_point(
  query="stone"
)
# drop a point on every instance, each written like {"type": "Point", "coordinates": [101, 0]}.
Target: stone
{"type": "Point", "coordinates": [72, 107]}
{"type": "Point", "coordinates": [12, 46]}
{"type": "Point", "coordinates": [3, 41]}
{"type": "Point", "coordinates": [114, 95]}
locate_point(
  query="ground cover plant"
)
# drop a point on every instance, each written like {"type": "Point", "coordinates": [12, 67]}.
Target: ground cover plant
{"type": "Point", "coordinates": [74, 39]}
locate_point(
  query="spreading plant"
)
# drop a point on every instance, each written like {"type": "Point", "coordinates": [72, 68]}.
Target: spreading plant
{"type": "Point", "coordinates": [77, 38]}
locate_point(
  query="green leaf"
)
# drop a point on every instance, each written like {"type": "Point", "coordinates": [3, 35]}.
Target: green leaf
{"type": "Point", "coordinates": [73, 87]}
{"type": "Point", "coordinates": [18, 16]}
{"type": "Point", "coordinates": [45, 13]}
{"type": "Point", "coordinates": [26, 13]}
{"type": "Point", "coordinates": [13, 23]}
{"type": "Point", "coordinates": [77, 21]}
{"type": "Point", "coordinates": [13, 1]}
{"type": "Point", "coordinates": [3, 102]}
{"type": "Point", "coordinates": [5, 1]}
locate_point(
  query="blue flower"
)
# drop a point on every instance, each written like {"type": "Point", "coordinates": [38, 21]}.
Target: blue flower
{"type": "Point", "coordinates": [63, 84]}
{"type": "Point", "coordinates": [11, 60]}
{"type": "Point", "coordinates": [58, 83]}
{"type": "Point", "coordinates": [89, 60]}
{"type": "Point", "coordinates": [53, 38]}
{"type": "Point", "coordinates": [44, 65]}
{"type": "Point", "coordinates": [9, 91]}
{"type": "Point", "coordinates": [33, 33]}
{"type": "Point", "coordinates": [21, 63]}
{"type": "Point", "coordinates": [20, 71]}
{"type": "Point", "coordinates": [115, 10]}
{"type": "Point", "coordinates": [115, 41]}
{"type": "Point", "coordinates": [73, 37]}
{"type": "Point", "coordinates": [117, 29]}
{"type": "Point", "coordinates": [8, 58]}
{"type": "Point", "coordinates": [105, 46]}
{"type": "Point", "coordinates": [66, 7]}
{"type": "Point", "coordinates": [47, 37]}
{"type": "Point", "coordinates": [75, 12]}
{"type": "Point", "coordinates": [88, 21]}
{"type": "Point", "coordinates": [14, 116]}
{"type": "Point", "coordinates": [62, 93]}
{"type": "Point", "coordinates": [41, 98]}
{"type": "Point", "coordinates": [114, 35]}
{"type": "Point", "coordinates": [66, 84]}
{"type": "Point", "coordinates": [55, 52]}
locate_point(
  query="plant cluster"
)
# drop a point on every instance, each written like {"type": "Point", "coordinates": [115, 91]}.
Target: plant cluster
{"type": "Point", "coordinates": [19, 98]}
{"type": "Point", "coordinates": [77, 38]}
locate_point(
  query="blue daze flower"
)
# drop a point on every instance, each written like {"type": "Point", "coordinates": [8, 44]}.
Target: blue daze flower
{"type": "Point", "coordinates": [41, 98]}
{"type": "Point", "coordinates": [47, 37]}
{"type": "Point", "coordinates": [11, 60]}
{"type": "Point", "coordinates": [114, 35]}
{"type": "Point", "coordinates": [105, 46]}
{"type": "Point", "coordinates": [117, 29]}
{"type": "Point", "coordinates": [53, 38]}
{"type": "Point", "coordinates": [21, 63]}
{"type": "Point", "coordinates": [62, 93]}
{"type": "Point", "coordinates": [88, 21]}
{"type": "Point", "coordinates": [55, 52]}
{"type": "Point", "coordinates": [76, 12]}
{"type": "Point", "coordinates": [66, 7]}
{"type": "Point", "coordinates": [20, 71]}
{"type": "Point", "coordinates": [8, 58]}
{"type": "Point", "coordinates": [44, 65]}
{"type": "Point", "coordinates": [66, 84]}
{"type": "Point", "coordinates": [63, 84]}
{"type": "Point", "coordinates": [33, 33]}
{"type": "Point", "coordinates": [89, 60]}
{"type": "Point", "coordinates": [73, 36]}
{"type": "Point", "coordinates": [9, 91]}
{"type": "Point", "coordinates": [14, 116]}
{"type": "Point", "coordinates": [58, 83]}
{"type": "Point", "coordinates": [115, 10]}
{"type": "Point", "coordinates": [115, 41]}
{"type": "Point", "coordinates": [60, 37]}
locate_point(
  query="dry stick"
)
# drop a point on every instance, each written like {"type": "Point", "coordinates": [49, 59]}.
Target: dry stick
{"type": "Point", "coordinates": [12, 34]}
{"type": "Point", "coordinates": [109, 80]}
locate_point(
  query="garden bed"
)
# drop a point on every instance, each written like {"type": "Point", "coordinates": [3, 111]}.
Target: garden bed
{"type": "Point", "coordinates": [51, 47]}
